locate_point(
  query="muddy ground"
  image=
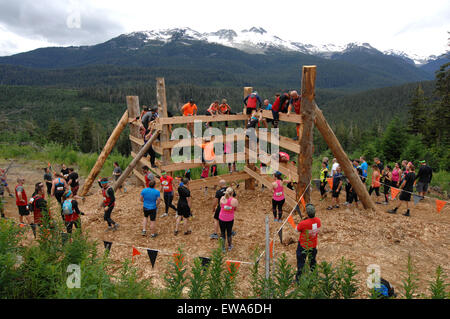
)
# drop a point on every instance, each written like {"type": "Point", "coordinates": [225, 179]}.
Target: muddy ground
{"type": "Point", "coordinates": [364, 237]}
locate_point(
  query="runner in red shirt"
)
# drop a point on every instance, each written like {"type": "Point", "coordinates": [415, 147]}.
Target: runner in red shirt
{"type": "Point", "coordinates": [167, 189]}
{"type": "Point", "coordinates": [307, 242]}
{"type": "Point", "coordinates": [22, 201]}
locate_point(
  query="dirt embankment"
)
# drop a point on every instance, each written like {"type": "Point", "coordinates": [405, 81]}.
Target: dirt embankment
{"type": "Point", "coordinates": [364, 237]}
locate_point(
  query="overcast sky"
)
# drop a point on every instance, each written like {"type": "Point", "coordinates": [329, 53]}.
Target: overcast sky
{"type": "Point", "coordinates": [416, 27]}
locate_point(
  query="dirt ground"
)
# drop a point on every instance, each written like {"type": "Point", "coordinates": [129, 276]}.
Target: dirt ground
{"type": "Point", "coordinates": [364, 237]}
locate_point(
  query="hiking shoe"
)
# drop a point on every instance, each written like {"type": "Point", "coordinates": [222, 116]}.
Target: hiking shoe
{"type": "Point", "coordinates": [115, 226]}
{"type": "Point", "coordinates": [153, 235]}
{"type": "Point", "coordinates": [11, 195]}
{"type": "Point", "coordinates": [164, 215]}
{"type": "Point", "coordinates": [233, 233]}
{"type": "Point", "coordinates": [230, 247]}
{"type": "Point", "coordinates": [188, 232]}
{"type": "Point", "coordinates": [175, 232]}
{"type": "Point", "coordinates": [406, 213]}
{"type": "Point", "coordinates": [346, 203]}
{"type": "Point", "coordinates": [330, 207]}
{"type": "Point", "coordinates": [144, 233]}
{"type": "Point", "coordinates": [336, 206]}
{"type": "Point", "coordinates": [110, 228]}
{"type": "Point", "coordinates": [392, 211]}
{"type": "Point", "coordinates": [214, 236]}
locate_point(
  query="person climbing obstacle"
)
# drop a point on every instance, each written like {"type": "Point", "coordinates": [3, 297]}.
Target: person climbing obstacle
{"type": "Point", "coordinates": [108, 203]}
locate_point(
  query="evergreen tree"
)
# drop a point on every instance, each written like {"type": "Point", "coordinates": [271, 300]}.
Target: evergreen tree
{"type": "Point", "coordinates": [393, 141]}
{"type": "Point", "coordinates": [417, 112]}
{"type": "Point", "coordinates": [440, 115]}
{"type": "Point", "coordinates": [87, 139]}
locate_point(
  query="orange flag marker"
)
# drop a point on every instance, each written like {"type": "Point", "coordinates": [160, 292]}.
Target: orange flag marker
{"type": "Point", "coordinates": [236, 264]}
{"type": "Point", "coordinates": [440, 204]}
{"type": "Point", "coordinates": [303, 202]}
{"type": "Point", "coordinates": [135, 253]}
{"type": "Point", "coordinates": [394, 192]}
{"type": "Point", "coordinates": [177, 258]}
{"type": "Point", "coordinates": [271, 248]}
{"type": "Point", "coordinates": [330, 182]}
{"type": "Point", "coordinates": [291, 221]}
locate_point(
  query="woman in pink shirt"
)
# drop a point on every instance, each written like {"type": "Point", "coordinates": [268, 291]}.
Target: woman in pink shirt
{"type": "Point", "coordinates": [278, 197]}
{"type": "Point", "coordinates": [396, 173]}
{"type": "Point", "coordinates": [228, 206]}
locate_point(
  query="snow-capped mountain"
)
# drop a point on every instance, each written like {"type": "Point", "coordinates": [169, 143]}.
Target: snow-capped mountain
{"type": "Point", "coordinates": [259, 41]}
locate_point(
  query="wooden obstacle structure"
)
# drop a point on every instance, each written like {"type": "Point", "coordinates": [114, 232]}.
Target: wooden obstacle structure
{"type": "Point", "coordinates": [309, 116]}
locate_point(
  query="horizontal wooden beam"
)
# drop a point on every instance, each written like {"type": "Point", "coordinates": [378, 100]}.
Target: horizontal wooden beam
{"type": "Point", "coordinates": [140, 142]}
{"type": "Point", "coordinates": [289, 194]}
{"type": "Point", "coordinates": [293, 117]}
{"type": "Point", "coordinates": [284, 142]}
{"type": "Point", "coordinates": [288, 169]}
{"type": "Point", "coordinates": [220, 159]}
{"type": "Point", "coordinates": [214, 180]}
{"type": "Point", "coordinates": [203, 118]}
{"type": "Point", "coordinates": [146, 162]}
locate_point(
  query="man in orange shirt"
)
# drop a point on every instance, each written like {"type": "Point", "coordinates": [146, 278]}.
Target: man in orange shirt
{"type": "Point", "coordinates": [189, 109]}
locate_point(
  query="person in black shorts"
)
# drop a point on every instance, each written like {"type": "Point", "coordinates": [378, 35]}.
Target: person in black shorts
{"type": "Point", "coordinates": [216, 208]}
{"type": "Point", "coordinates": [59, 187]}
{"type": "Point", "coordinates": [183, 206]}
{"type": "Point", "coordinates": [48, 180]}
{"type": "Point", "coordinates": [407, 187]}
{"type": "Point", "coordinates": [72, 181]}
{"type": "Point", "coordinates": [337, 186]}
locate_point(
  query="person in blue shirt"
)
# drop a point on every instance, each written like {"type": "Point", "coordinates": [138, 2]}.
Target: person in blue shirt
{"type": "Point", "coordinates": [151, 199]}
{"type": "Point", "coordinates": [364, 167]}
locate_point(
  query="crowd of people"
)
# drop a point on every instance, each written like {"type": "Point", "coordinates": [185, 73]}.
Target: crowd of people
{"type": "Point", "coordinates": [401, 176]}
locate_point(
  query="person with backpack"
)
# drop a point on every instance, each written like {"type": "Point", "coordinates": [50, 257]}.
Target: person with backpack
{"type": "Point", "coordinates": [309, 229]}
{"type": "Point", "coordinates": [151, 199]}
{"type": "Point", "coordinates": [252, 103]}
{"type": "Point", "coordinates": [22, 201]}
{"type": "Point", "coordinates": [59, 187]}
{"type": "Point", "coordinates": [278, 198]}
{"type": "Point", "coordinates": [280, 105]}
{"type": "Point", "coordinates": [38, 205]}
{"type": "Point", "coordinates": [166, 182]}
{"type": "Point", "coordinates": [71, 212]}
{"type": "Point", "coordinates": [108, 204]}
{"type": "Point", "coordinates": [183, 206]}
{"type": "Point", "coordinates": [228, 207]}
{"type": "Point", "coordinates": [72, 181]}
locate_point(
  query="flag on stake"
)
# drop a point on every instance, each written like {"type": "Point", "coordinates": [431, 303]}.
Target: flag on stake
{"type": "Point", "coordinates": [280, 233]}
{"type": "Point", "coordinates": [108, 245]}
{"type": "Point", "coordinates": [21, 225]}
{"type": "Point", "coordinates": [135, 253]}
{"type": "Point", "coordinates": [178, 258]}
{"type": "Point", "coordinates": [394, 192]}
{"type": "Point", "coordinates": [152, 255]}
{"type": "Point", "coordinates": [416, 198]}
{"type": "Point", "coordinates": [205, 261]}
{"type": "Point", "coordinates": [303, 202]}
{"type": "Point", "coordinates": [330, 182]}
{"type": "Point", "coordinates": [291, 221]}
{"type": "Point", "coordinates": [236, 265]}
{"type": "Point", "coordinates": [271, 249]}
{"type": "Point", "coordinates": [440, 204]}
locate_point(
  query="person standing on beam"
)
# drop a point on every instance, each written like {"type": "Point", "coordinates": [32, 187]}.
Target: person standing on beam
{"type": "Point", "coordinates": [189, 109]}
{"type": "Point", "coordinates": [252, 102]}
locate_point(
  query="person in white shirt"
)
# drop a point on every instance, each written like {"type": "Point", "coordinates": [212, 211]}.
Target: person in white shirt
{"type": "Point", "coordinates": [334, 167]}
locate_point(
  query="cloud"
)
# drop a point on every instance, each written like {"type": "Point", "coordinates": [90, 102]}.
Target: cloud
{"type": "Point", "coordinates": [62, 22]}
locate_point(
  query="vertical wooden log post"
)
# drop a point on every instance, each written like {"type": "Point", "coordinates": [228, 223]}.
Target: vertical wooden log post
{"type": "Point", "coordinates": [249, 183]}
{"type": "Point", "coordinates": [104, 154]}
{"type": "Point", "coordinates": [305, 158]}
{"type": "Point", "coordinates": [133, 113]}
{"type": "Point", "coordinates": [342, 158]}
{"type": "Point", "coordinates": [162, 111]}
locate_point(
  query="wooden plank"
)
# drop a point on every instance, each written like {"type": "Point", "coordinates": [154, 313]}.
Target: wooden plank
{"type": "Point", "coordinates": [214, 180]}
{"type": "Point", "coordinates": [342, 158]}
{"type": "Point", "coordinates": [293, 118]}
{"type": "Point", "coordinates": [139, 141]}
{"type": "Point", "coordinates": [284, 142]}
{"type": "Point", "coordinates": [221, 159]}
{"type": "Point", "coordinates": [288, 169]}
{"type": "Point", "coordinates": [266, 182]}
{"type": "Point", "coordinates": [104, 154]}
{"type": "Point", "coordinates": [304, 165]}
{"type": "Point", "coordinates": [199, 140]}
{"type": "Point", "coordinates": [250, 183]}
{"type": "Point", "coordinates": [142, 178]}
{"type": "Point", "coordinates": [203, 118]}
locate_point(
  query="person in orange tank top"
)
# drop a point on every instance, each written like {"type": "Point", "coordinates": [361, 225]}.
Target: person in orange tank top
{"type": "Point", "coordinates": [375, 184]}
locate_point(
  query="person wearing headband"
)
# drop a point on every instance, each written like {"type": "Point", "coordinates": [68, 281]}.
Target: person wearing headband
{"type": "Point", "coordinates": [108, 204]}
{"type": "Point", "coordinates": [71, 212]}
